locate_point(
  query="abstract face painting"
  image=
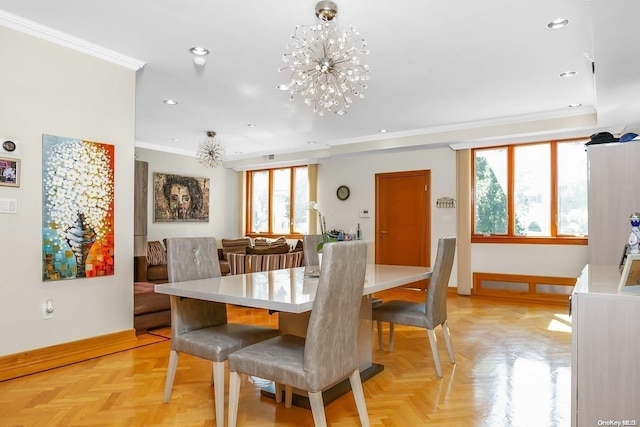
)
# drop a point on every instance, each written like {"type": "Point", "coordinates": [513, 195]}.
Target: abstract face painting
{"type": "Point", "coordinates": [180, 198]}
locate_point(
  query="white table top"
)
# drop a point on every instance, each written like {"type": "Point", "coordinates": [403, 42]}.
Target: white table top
{"type": "Point", "coordinates": [289, 290]}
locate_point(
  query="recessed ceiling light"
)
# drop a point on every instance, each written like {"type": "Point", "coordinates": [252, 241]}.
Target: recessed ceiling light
{"type": "Point", "coordinates": [200, 51]}
{"type": "Point", "coordinates": [175, 139]}
{"type": "Point", "coordinates": [251, 125]}
{"type": "Point", "coordinates": [568, 74]}
{"type": "Point", "coordinates": [311, 142]}
{"type": "Point", "coordinates": [574, 105]}
{"type": "Point", "coordinates": [382, 131]}
{"type": "Point", "coordinates": [558, 23]}
{"type": "Point", "coordinates": [170, 101]}
{"type": "Point", "coordinates": [282, 87]}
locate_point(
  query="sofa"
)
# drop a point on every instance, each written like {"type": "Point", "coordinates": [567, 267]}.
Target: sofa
{"type": "Point", "coordinates": [249, 263]}
{"type": "Point", "coordinates": [150, 309]}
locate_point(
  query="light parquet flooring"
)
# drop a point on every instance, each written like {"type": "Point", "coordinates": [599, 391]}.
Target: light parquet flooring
{"type": "Point", "coordinates": [513, 369]}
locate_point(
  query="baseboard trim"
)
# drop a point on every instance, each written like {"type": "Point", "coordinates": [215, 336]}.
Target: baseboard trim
{"type": "Point", "coordinates": [42, 359]}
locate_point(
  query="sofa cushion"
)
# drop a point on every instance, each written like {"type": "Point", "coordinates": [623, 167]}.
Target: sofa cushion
{"type": "Point", "coordinates": [266, 250]}
{"type": "Point", "coordinates": [235, 246]}
{"type": "Point", "coordinates": [260, 242]}
{"type": "Point", "coordinates": [146, 300]}
{"type": "Point", "coordinates": [157, 273]}
{"type": "Point", "coordinates": [156, 253]}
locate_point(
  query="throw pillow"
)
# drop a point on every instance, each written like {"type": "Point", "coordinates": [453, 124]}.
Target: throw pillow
{"type": "Point", "coordinates": [235, 246]}
{"type": "Point", "coordinates": [260, 242]}
{"type": "Point", "coordinates": [279, 241]}
{"type": "Point", "coordinates": [267, 250]}
{"type": "Point", "coordinates": [299, 247]}
{"type": "Point", "coordinates": [156, 254]}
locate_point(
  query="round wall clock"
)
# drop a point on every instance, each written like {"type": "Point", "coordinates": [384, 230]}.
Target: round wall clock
{"type": "Point", "coordinates": [343, 192]}
{"type": "Point", "coordinates": [9, 146]}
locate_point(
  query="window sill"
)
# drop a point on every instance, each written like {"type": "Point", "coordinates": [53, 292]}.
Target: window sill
{"type": "Point", "coordinates": [528, 240]}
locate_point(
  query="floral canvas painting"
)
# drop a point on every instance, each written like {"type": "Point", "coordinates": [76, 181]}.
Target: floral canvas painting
{"type": "Point", "coordinates": [180, 198]}
{"type": "Point", "coordinates": [77, 208]}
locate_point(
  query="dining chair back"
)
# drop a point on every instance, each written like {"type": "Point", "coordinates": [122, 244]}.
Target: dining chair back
{"type": "Point", "coordinates": [328, 353]}
{"type": "Point", "coordinates": [200, 327]}
{"type": "Point", "coordinates": [309, 246]}
{"type": "Point", "coordinates": [431, 313]}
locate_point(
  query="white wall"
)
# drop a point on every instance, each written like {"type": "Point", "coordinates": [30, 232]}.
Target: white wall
{"type": "Point", "coordinates": [534, 260]}
{"type": "Point", "coordinates": [49, 89]}
{"type": "Point", "coordinates": [224, 196]}
{"type": "Point", "coordinates": [358, 173]}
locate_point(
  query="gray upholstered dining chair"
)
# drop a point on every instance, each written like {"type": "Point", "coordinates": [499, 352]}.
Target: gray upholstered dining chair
{"type": "Point", "coordinates": [431, 313]}
{"type": "Point", "coordinates": [200, 327]}
{"type": "Point", "coordinates": [329, 352]}
{"type": "Point", "coordinates": [309, 245]}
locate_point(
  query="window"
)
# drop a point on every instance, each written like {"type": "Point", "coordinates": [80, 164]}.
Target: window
{"type": "Point", "coordinates": [531, 193]}
{"type": "Point", "coordinates": [277, 202]}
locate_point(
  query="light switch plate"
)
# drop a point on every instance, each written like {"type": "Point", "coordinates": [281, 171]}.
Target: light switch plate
{"type": "Point", "coordinates": [9, 206]}
{"type": "Point", "coordinates": [364, 213]}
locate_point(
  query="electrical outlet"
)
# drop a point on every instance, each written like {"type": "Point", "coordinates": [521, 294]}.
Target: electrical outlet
{"type": "Point", "coordinates": [47, 309]}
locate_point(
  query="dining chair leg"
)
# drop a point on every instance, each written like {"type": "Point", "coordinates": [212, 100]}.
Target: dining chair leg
{"type": "Point", "coordinates": [379, 324]}
{"type": "Point", "coordinates": [391, 330]}
{"type": "Point", "coordinates": [434, 350]}
{"type": "Point", "coordinates": [288, 396]}
{"type": "Point", "coordinates": [218, 391]}
{"type": "Point", "coordinates": [171, 374]}
{"type": "Point", "coordinates": [234, 397]}
{"type": "Point", "coordinates": [447, 340]}
{"type": "Point", "coordinates": [358, 394]}
{"type": "Point", "coordinates": [317, 409]}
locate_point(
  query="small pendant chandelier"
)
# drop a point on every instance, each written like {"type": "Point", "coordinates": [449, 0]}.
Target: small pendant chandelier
{"type": "Point", "coordinates": [211, 152]}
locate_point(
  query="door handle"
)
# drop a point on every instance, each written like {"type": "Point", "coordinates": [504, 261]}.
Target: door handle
{"type": "Point", "coordinates": [382, 233]}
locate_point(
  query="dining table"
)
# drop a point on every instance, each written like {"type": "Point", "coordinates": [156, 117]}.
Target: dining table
{"type": "Point", "coordinates": [291, 293]}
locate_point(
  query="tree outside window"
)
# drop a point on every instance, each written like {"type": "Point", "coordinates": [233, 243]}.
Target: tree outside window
{"type": "Point", "coordinates": [530, 191]}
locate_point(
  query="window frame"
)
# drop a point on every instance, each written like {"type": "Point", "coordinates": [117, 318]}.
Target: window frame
{"type": "Point", "coordinates": [292, 234]}
{"type": "Point", "coordinates": [510, 237]}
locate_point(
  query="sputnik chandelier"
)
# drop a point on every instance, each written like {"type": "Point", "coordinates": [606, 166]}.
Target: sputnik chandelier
{"type": "Point", "coordinates": [324, 62]}
{"type": "Point", "coordinates": [211, 152]}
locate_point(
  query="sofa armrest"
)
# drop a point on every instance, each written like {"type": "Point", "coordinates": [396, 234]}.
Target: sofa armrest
{"type": "Point", "coordinates": [140, 268]}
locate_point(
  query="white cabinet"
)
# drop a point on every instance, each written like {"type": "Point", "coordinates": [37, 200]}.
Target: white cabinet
{"type": "Point", "coordinates": [605, 349]}
{"type": "Point", "coordinates": [614, 194]}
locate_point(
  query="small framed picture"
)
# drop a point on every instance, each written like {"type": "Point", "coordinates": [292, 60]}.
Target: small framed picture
{"type": "Point", "coordinates": [631, 272]}
{"type": "Point", "coordinates": [9, 172]}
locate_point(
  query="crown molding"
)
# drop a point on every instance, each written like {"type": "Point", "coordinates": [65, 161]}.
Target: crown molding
{"type": "Point", "coordinates": [54, 36]}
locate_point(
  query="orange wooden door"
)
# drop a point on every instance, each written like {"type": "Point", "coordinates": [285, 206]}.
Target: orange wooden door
{"type": "Point", "coordinates": [403, 232]}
